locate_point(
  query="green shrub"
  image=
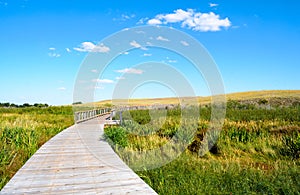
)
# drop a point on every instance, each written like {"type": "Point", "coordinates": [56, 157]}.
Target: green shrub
{"type": "Point", "coordinates": [116, 136]}
{"type": "Point", "coordinates": [291, 146]}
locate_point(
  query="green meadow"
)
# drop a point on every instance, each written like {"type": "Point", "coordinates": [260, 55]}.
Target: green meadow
{"type": "Point", "coordinates": [257, 150]}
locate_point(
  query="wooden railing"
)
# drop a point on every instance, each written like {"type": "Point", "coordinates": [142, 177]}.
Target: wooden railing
{"type": "Point", "coordinates": [81, 116]}
{"type": "Point", "coordinates": [90, 114]}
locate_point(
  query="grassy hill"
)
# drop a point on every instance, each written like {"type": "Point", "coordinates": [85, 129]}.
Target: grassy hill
{"type": "Point", "coordinates": [271, 96]}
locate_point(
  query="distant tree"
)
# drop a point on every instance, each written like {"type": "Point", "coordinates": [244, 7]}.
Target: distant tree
{"type": "Point", "coordinates": [76, 103]}
{"type": "Point", "coordinates": [14, 105]}
{"type": "Point", "coordinates": [26, 105]}
{"type": "Point", "coordinates": [7, 104]}
{"type": "Point", "coordinates": [39, 105]}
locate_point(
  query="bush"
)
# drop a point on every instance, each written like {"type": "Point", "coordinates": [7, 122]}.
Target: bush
{"type": "Point", "coordinates": [291, 146]}
{"type": "Point", "coordinates": [263, 101]}
{"type": "Point", "coordinates": [116, 136]}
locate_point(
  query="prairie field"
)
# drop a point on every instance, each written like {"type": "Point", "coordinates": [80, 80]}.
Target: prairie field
{"type": "Point", "coordinates": [273, 95]}
{"type": "Point", "coordinates": [257, 150]}
{"type": "Point", "coordinates": [24, 130]}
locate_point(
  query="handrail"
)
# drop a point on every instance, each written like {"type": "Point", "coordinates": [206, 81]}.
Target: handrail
{"type": "Point", "coordinates": [81, 116]}
{"type": "Point", "coordinates": [151, 107]}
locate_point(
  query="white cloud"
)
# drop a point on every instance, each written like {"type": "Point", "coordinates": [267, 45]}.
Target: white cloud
{"type": "Point", "coordinates": [52, 48]}
{"type": "Point", "coordinates": [124, 53]}
{"type": "Point", "coordinates": [91, 47]}
{"type": "Point", "coordinates": [94, 71]}
{"type": "Point", "coordinates": [142, 21]}
{"type": "Point", "coordinates": [68, 50]}
{"type": "Point", "coordinates": [120, 78]}
{"type": "Point", "coordinates": [193, 20]}
{"type": "Point", "coordinates": [54, 55]}
{"type": "Point", "coordinates": [140, 32]}
{"type": "Point", "coordinates": [178, 16]}
{"type": "Point", "coordinates": [213, 5]}
{"type": "Point", "coordinates": [184, 43]}
{"type": "Point", "coordinates": [147, 54]}
{"type": "Point", "coordinates": [208, 22]}
{"type": "Point", "coordinates": [103, 81]}
{"type": "Point", "coordinates": [149, 43]}
{"type": "Point", "coordinates": [62, 88]}
{"type": "Point", "coordinates": [172, 61]}
{"type": "Point", "coordinates": [160, 38]}
{"type": "Point", "coordinates": [125, 17]}
{"type": "Point", "coordinates": [130, 71]}
{"type": "Point", "coordinates": [137, 45]}
{"type": "Point", "coordinates": [154, 21]}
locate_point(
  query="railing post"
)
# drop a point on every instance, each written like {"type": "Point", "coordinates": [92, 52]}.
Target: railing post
{"type": "Point", "coordinates": [89, 114]}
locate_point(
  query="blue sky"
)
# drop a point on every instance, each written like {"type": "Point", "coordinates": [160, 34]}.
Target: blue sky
{"type": "Point", "coordinates": [255, 43]}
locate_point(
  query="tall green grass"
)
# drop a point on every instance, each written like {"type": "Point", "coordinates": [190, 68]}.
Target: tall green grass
{"type": "Point", "coordinates": [24, 130]}
{"type": "Point", "coordinates": [257, 151]}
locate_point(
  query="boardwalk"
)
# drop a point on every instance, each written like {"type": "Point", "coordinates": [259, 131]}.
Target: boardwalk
{"type": "Point", "coordinates": [76, 161]}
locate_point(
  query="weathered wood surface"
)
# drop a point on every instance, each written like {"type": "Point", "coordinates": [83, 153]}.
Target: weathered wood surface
{"type": "Point", "coordinates": [76, 161]}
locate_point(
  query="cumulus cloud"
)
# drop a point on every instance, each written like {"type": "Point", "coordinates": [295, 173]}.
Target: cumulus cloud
{"type": "Point", "coordinates": [184, 43]}
{"type": "Point", "coordinates": [103, 81]}
{"type": "Point", "coordinates": [68, 50]}
{"type": "Point", "coordinates": [154, 21]}
{"type": "Point", "coordinates": [213, 5]}
{"type": "Point", "coordinates": [147, 54]}
{"type": "Point", "coordinates": [130, 71]}
{"type": "Point", "coordinates": [172, 61]}
{"type": "Point", "coordinates": [54, 55]}
{"type": "Point", "coordinates": [160, 38]}
{"type": "Point", "coordinates": [193, 20]}
{"type": "Point", "coordinates": [140, 32]}
{"type": "Point", "coordinates": [91, 47]}
{"type": "Point", "coordinates": [142, 21]}
{"type": "Point", "coordinates": [125, 17]}
{"type": "Point", "coordinates": [124, 53]}
{"type": "Point", "coordinates": [149, 43]}
{"type": "Point", "coordinates": [137, 45]}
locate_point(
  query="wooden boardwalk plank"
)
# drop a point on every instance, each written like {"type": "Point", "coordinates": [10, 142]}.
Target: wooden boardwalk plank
{"type": "Point", "coordinates": [76, 161]}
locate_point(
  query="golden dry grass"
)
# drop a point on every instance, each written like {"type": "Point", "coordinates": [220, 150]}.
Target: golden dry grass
{"type": "Point", "coordinates": [205, 100]}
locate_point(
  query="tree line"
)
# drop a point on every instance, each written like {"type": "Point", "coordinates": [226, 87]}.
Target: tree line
{"type": "Point", "coordinates": [25, 105]}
